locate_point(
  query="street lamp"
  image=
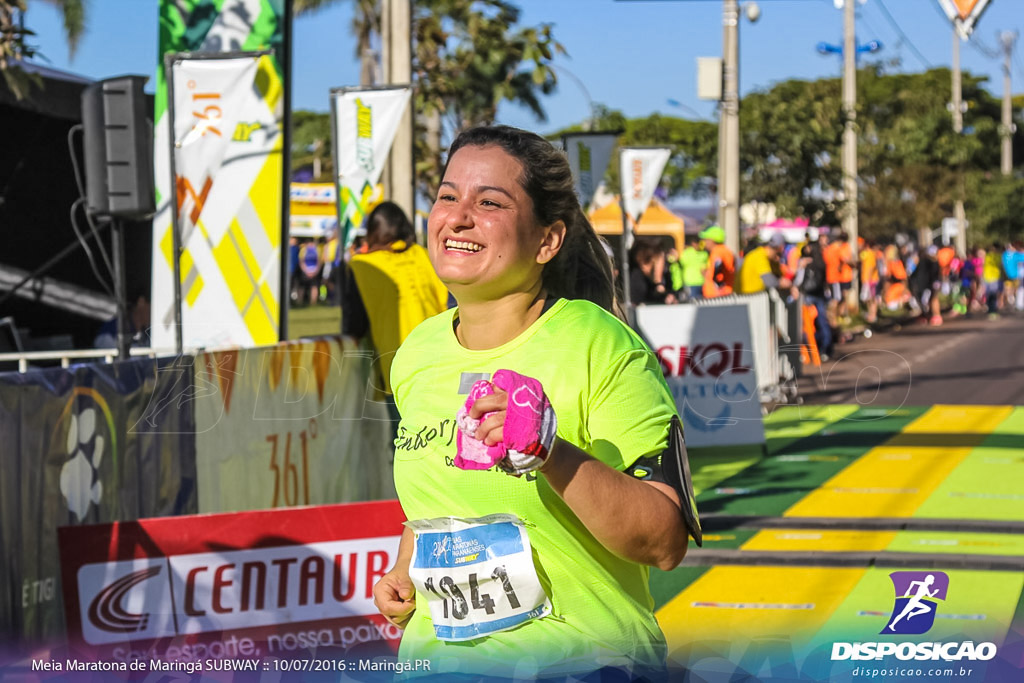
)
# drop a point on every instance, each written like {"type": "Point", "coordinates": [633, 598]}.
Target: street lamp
{"type": "Point", "coordinates": [829, 49]}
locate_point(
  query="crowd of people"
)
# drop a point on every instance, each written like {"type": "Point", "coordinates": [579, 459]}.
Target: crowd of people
{"type": "Point", "coordinates": [898, 276]}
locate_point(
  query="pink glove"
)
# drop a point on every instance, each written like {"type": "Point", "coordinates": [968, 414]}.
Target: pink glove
{"type": "Point", "coordinates": [472, 453]}
{"type": "Point", "coordinates": [528, 433]}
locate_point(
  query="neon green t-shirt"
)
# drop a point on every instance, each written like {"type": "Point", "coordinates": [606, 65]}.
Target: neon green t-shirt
{"type": "Point", "coordinates": [611, 400]}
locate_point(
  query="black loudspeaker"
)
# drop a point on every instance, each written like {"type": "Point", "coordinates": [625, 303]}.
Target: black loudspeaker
{"type": "Point", "coordinates": [118, 149]}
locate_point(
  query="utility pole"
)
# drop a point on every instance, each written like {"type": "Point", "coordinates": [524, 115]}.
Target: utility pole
{"type": "Point", "coordinates": [1006, 129]}
{"type": "Point", "coordinates": [958, 127]}
{"type": "Point", "coordinates": [850, 188]}
{"type": "Point", "coordinates": [729, 127]}
{"type": "Point", "coordinates": [396, 26]}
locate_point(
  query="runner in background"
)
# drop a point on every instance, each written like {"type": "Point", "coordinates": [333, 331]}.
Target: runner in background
{"type": "Point", "coordinates": [563, 398]}
{"type": "Point", "coordinates": [761, 268]}
{"type": "Point", "coordinates": [869, 278]}
{"type": "Point", "coordinates": [945, 257]}
{"type": "Point", "coordinates": [694, 261]}
{"type": "Point", "coordinates": [309, 272]}
{"type": "Point", "coordinates": [720, 273]}
{"type": "Point", "coordinates": [812, 282]}
{"type": "Point", "coordinates": [896, 292]}
{"type": "Point", "coordinates": [1017, 273]}
{"type": "Point", "coordinates": [1010, 259]}
{"type": "Point", "coordinates": [839, 262]}
{"type": "Point", "coordinates": [992, 279]}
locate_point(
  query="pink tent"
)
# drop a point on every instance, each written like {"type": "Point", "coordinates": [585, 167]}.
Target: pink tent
{"type": "Point", "coordinates": [793, 230]}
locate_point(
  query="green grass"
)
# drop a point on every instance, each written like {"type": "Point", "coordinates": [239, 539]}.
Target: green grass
{"type": "Point", "coordinates": [314, 321]}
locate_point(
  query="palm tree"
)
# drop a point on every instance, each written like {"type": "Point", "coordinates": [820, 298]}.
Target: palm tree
{"type": "Point", "coordinates": [73, 13]}
{"type": "Point", "coordinates": [13, 48]}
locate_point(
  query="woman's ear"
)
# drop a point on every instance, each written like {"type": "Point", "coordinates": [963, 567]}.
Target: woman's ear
{"type": "Point", "coordinates": [554, 238]}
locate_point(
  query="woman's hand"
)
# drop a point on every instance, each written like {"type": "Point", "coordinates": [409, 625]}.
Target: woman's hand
{"type": "Point", "coordinates": [395, 597]}
{"type": "Point", "coordinates": [491, 430]}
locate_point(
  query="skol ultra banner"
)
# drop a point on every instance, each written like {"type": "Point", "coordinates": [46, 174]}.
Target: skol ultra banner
{"type": "Point", "coordinates": [365, 123]}
{"type": "Point", "coordinates": [294, 424]}
{"type": "Point", "coordinates": [706, 355]}
{"type": "Point", "coordinates": [640, 170]}
{"type": "Point", "coordinates": [228, 592]}
{"type": "Point", "coordinates": [226, 116]}
{"type": "Point", "coordinates": [589, 155]}
{"type": "Point", "coordinates": [80, 446]}
{"type": "Point", "coordinates": [254, 211]}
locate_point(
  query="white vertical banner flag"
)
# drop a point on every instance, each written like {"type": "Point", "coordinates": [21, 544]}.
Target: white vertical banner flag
{"type": "Point", "coordinates": [589, 155]}
{"type": "Point", "coordinates": [365, 122]}
{"type": "Point", "coordinates": [226, 114]}
{"type": "Point", "coordinates": [640, 170]}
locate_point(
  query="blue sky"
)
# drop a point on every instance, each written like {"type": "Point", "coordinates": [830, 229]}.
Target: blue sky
{"type": "Point", "coordinates": [630, 55]}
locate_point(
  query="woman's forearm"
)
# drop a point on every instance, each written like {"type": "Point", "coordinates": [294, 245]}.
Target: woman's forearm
{"type": "Point", "coordinates": [633, 519]}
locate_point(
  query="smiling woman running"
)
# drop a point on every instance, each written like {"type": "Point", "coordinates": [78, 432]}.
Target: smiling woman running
{"type": "Point", "coordinates": [536, 566]}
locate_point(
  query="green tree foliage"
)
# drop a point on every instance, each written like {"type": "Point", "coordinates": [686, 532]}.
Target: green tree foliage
{"type": "Point", "coordinates": [468, 57]}
{"type": "Point", "coordinates": [995, 207]}
{"type": "Point", "coordinates": [14, 48]}
{"type": "Point", "coordinates": [311, 141]}
{"type": "Point", "coordinates": [912, 165]}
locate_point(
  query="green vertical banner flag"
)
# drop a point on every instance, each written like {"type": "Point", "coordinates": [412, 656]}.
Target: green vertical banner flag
{"type": "Point", "coordinates": [206, 28]}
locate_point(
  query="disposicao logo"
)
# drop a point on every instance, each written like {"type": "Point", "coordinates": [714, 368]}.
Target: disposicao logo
{"type": "Point", "coordinates": [917, 596]}
{"type": "Point", "coordinates": [913, 613]}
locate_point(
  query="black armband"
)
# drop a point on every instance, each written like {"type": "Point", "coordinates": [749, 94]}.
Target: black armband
{"type": "Point", "coordinates": [672, 467]}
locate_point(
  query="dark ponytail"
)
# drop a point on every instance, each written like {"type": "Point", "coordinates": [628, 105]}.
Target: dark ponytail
{"type": "Point", "coordinates": [582, 268]}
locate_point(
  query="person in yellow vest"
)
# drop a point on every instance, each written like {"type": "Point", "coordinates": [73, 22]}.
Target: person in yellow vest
{"type": "Point", "coordinates": [761, 268]}
{"type": "Point", "coordinates": [720, 273]}
{"type": "Point", "coordinates": [391, 287]}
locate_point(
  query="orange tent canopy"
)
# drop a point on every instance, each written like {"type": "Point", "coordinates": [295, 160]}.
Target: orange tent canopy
{"type": "Point", "coordinates": [656, 220]}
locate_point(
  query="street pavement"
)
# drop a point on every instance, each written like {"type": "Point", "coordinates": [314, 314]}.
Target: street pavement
{"type": "Point", "coordinates": [967, 360]}
{"type": "Point", "coordinates": [907, 454]}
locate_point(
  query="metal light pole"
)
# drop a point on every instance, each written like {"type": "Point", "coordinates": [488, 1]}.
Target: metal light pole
{"type": "Point", "coordinates": [729, 128]}
{"type": "Point", "coordinates": [958, 127]}
{"type": "Point", "coordinates": [850, 123]}
{"type": "Point", "coordinates": [729, 121]}
{"type": "Point", "coordinates": [397, 57]}
{"type": "Point", "coordinates": [1006, 128]}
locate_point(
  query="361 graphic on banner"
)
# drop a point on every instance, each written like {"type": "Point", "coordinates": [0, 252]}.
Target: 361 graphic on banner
{"type": "Point", "coordinates": [285, 469]}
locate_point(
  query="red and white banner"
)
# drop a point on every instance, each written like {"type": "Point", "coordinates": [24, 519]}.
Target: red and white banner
{"type": "Point", "coordinates": [272, 583]}
{"type": "Point", "coordinates": [964, 13]}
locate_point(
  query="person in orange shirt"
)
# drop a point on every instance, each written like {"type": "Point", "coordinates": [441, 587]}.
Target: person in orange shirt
{"type": "Point", "coordinates": [721, 269]}
{"type": "Point", "coordinates": [896, 293]}
{"type": "Point", "coordinates": [839, 262]}
{"type": "Point", "coordinates": [869, 278]}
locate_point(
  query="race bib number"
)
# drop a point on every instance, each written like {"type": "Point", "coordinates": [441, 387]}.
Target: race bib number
{"type": "Point", "coordinates": [477, 575]}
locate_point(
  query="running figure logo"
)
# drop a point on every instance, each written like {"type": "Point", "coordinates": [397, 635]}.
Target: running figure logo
{"type": "Point", "coordinates": [917, 594]}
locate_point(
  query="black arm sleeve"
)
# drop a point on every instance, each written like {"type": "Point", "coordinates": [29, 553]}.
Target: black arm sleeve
{"type": "Point", "coordinates": [672, 467]}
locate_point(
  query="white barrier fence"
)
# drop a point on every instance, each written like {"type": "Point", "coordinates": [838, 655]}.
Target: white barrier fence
{"type": "Point", "coordinates": [775, 335]}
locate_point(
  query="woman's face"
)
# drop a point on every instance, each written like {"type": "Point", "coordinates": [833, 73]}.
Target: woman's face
{"type": "Point", "coordinates": [483, 238]}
